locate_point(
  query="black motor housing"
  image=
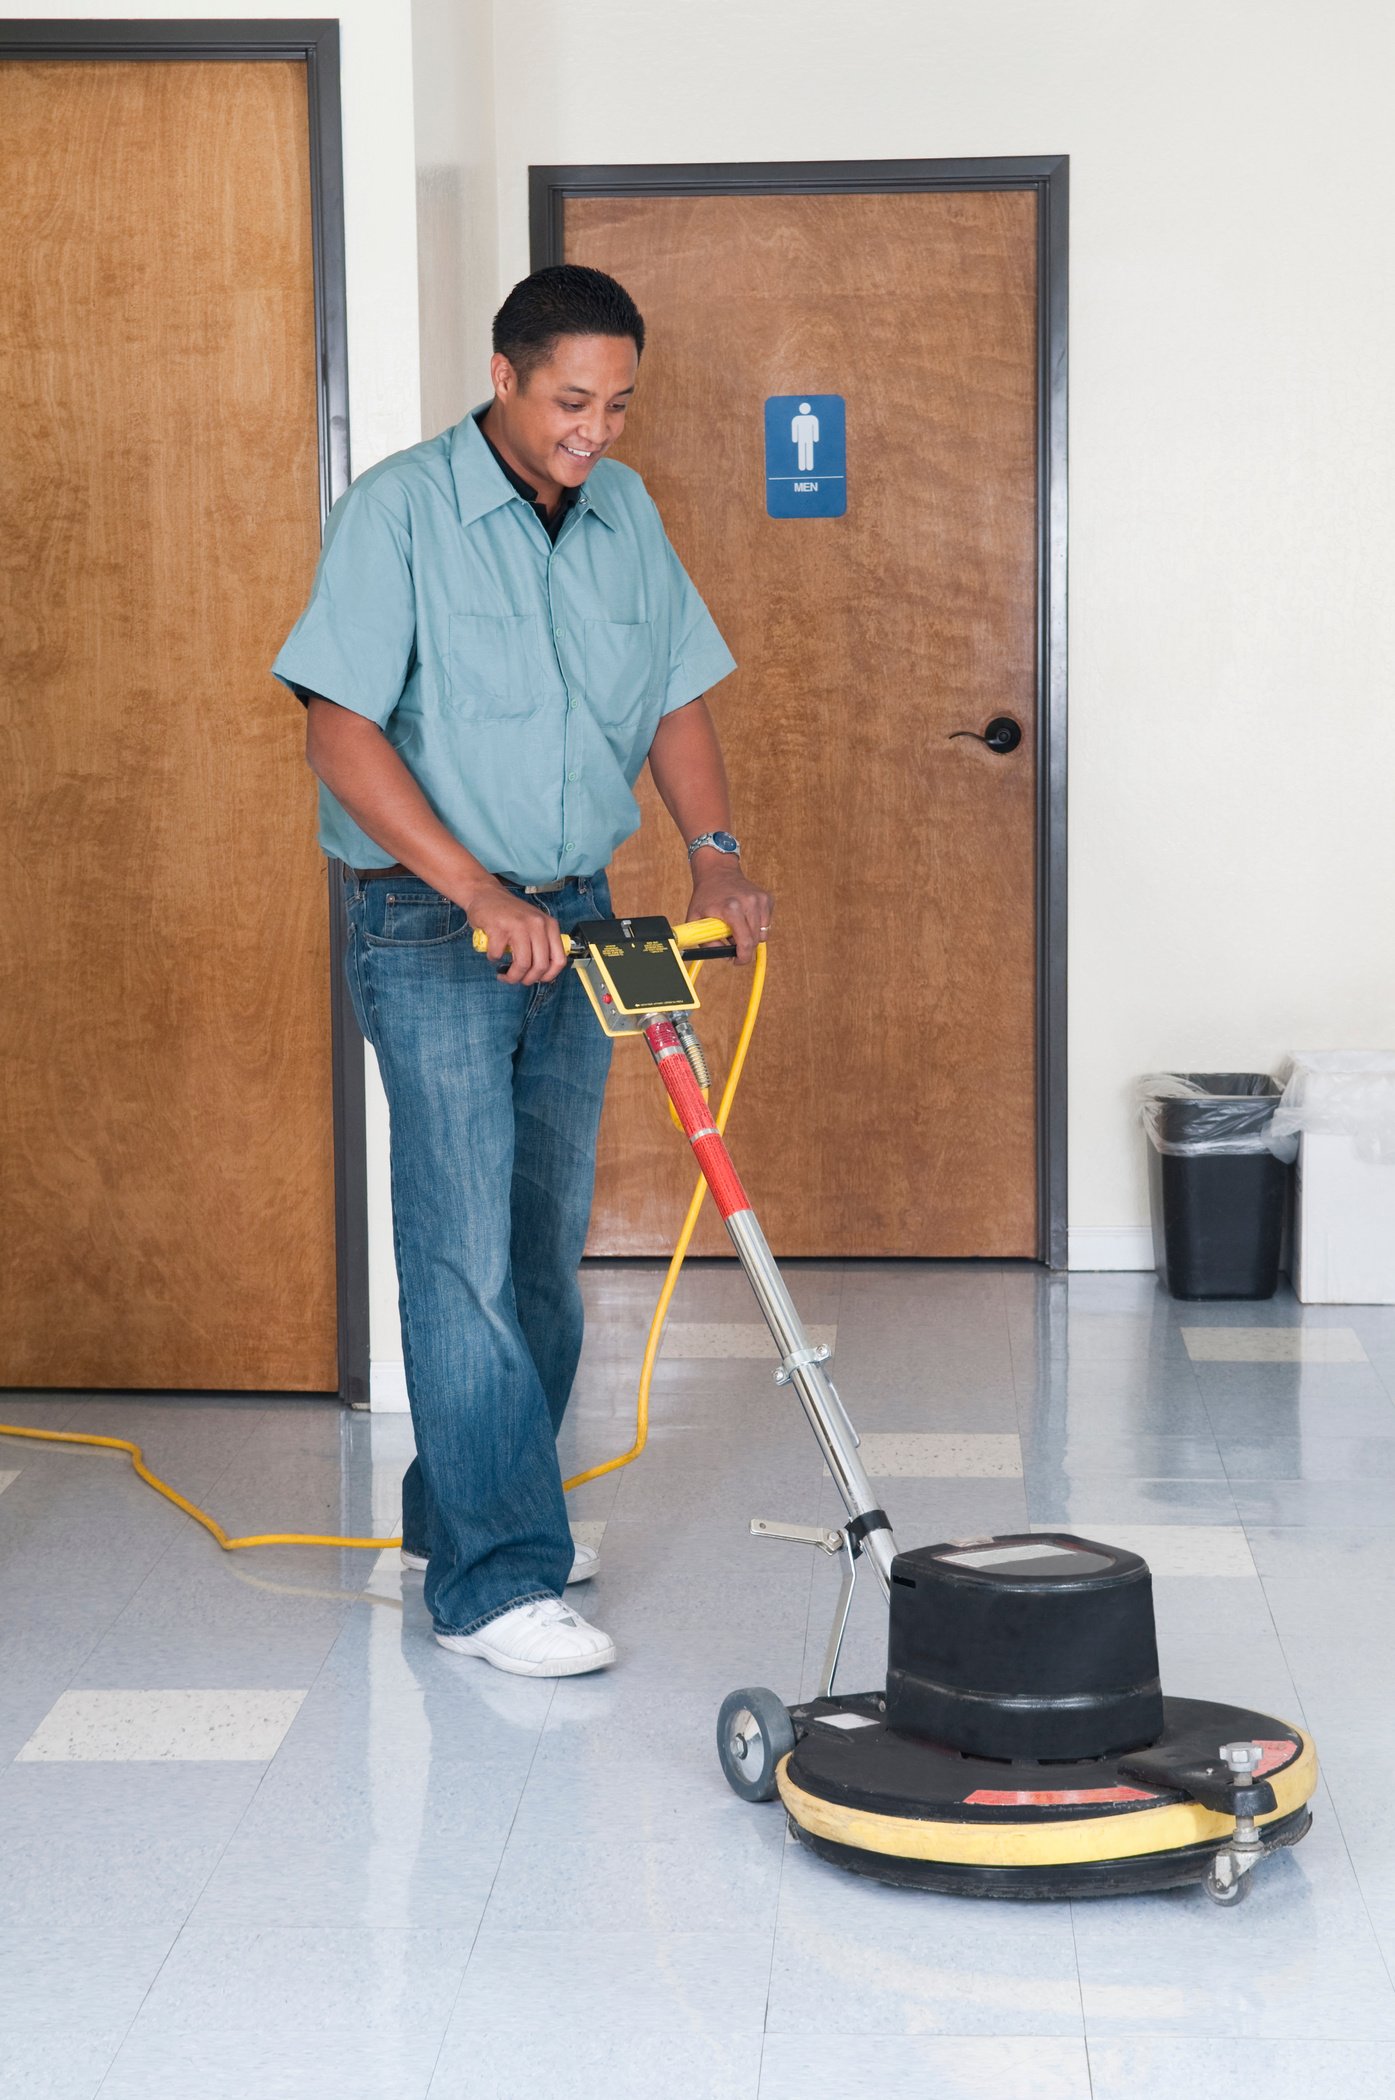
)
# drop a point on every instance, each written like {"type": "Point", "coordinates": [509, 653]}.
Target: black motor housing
{"type": "Point", "coordinates": [1037, 1645]}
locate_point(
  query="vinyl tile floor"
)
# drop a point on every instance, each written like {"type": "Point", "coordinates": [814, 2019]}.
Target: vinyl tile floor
{"type": "Point", "coordinates": [259, 1836]}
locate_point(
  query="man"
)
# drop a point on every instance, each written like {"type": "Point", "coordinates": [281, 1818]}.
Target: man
{"type": "Point", "coordinates": [498, 637]}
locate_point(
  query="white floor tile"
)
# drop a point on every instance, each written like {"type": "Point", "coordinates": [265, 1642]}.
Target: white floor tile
{"type": "Point", "coordinates": [97, 1727]}
{"type": "Point", "coordinates": [1274, 1345]}
{"type": "Point", "coordinates": [687, 1339]}
{"type": "Point", "coordinates": [897, 1454]}
{"type": "Point", "coordinates": [1180, 1549]}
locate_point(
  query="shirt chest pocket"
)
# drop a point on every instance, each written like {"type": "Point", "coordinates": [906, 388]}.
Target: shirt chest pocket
{"type": "Point", "coordinates": [494, 666]}
{"type": "Point", "coordinates": [622, 670]}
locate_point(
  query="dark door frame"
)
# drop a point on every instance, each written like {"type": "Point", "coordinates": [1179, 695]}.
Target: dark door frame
{"type": "Point", "coordinates": [1048, 175]}
{"type": "Point", "coordinates": [314, 44]}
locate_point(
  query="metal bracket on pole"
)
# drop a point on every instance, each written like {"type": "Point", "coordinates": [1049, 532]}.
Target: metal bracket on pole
{"type": "Point", "coordinates": [800, 1359]}
{"type": "Point", "coordinates": [820, 1535]}
{"type": "Point", "coordinates": [832, 1542]}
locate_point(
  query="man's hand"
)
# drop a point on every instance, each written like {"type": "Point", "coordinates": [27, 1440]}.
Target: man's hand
{"type": "Point", "coordinates": [532, 937]}
{"type": "Point", "coordinates": [723, 892]}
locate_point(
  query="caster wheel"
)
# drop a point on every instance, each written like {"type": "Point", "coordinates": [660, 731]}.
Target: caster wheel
{"type": "Point", "coordinates": [754, 1731]}
{"type": "Point", "coordinates": [1225, 1892]}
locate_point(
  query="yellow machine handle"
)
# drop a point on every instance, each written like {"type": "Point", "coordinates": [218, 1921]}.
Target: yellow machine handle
{"type": "Point", "coordinates": [696, 933]}
{"type": "Point", "coordinates": [693, 933]}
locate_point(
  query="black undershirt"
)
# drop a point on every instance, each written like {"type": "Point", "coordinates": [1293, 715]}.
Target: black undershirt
{"type": "Point", "coordinates": [551, 525]}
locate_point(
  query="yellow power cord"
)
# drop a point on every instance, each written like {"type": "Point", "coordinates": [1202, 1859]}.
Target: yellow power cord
{"type": "Point", "coordinates": [692, 935]}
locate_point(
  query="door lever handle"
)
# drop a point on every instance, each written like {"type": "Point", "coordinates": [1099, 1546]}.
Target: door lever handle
{"type": "Point", "coordinates": [1001, 735]}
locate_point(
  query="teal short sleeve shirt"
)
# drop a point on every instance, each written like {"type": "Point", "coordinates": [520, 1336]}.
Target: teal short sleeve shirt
{"type": "Point", "coordinates": [521, 681]}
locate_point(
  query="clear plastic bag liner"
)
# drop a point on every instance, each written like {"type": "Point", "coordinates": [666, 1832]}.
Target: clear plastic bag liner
{"type": "Point", "coordinates": [1342, 1093]}
{"type": "Point", "coordinates": [1212, 1112]}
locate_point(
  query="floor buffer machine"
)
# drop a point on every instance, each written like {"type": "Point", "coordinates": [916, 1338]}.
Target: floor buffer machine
{"type": "Point", "coordinates": [1021, 1745]}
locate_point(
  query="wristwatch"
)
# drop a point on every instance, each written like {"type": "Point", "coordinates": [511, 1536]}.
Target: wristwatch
{"type": "Point", "coordinates": [721, 840]}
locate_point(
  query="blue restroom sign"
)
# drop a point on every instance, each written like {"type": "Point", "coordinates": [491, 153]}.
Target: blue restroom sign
{"type": "Point", "coordinates": [806, 456]}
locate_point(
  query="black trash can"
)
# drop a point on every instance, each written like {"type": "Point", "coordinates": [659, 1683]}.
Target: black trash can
{"type": "Point", "coordinates": [1217, 1193]}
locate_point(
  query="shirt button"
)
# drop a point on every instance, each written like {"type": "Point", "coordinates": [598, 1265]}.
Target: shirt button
{"type": "Point", "coordinates": [573, 776]}
{"type": "Point", "coordinates": [570, 846]}
{"type": "Point", "coordinates": [570, 706]}
{"type": "Point", "coordinates": [561, 633]}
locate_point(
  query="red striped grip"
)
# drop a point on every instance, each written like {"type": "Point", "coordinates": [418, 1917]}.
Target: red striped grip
{"type": "Point", "coordinates": [696, 1117]}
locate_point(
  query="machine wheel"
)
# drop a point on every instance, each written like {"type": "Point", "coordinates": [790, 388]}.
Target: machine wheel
{"type": "Point", "coordinates": [754, 1731]}
{"type": "Point", "coordinates": [1225, 1892]}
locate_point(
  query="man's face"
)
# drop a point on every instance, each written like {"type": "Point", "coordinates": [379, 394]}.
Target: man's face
{"type": "Point", "coordinates": [570, 411]}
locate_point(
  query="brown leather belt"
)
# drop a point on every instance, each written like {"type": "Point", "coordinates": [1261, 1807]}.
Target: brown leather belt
{"type": "Point", "coordinates": [529, 889]}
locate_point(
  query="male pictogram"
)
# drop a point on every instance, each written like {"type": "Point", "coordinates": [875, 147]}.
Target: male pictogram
{"type": "Point", "coordinates": [804, 430]}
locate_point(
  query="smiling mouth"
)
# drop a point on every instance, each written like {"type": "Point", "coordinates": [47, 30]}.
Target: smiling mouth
{"type": "Point", "coordinates": [572, 453]}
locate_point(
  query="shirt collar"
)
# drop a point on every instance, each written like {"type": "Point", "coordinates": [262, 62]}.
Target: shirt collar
{"type": "Point", "coordinates": [481, 484]}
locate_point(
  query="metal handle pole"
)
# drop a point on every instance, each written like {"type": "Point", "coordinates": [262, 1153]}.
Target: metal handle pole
{"type": "Point", "coordinates": [833, 1431]}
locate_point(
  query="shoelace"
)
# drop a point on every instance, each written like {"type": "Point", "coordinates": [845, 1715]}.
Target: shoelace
{"type": "Point", "coordinates": [551, 1611]}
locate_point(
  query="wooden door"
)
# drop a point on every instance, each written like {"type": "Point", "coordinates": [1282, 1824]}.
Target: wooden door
{"type": "Point", "coordinates": [168, 1218]}
{"type": "Point", "coordinates": [890, 1107]}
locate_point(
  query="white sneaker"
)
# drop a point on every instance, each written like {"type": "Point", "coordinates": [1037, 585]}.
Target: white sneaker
{"type": "Point", "coordinates": [543, 1639]}
{"type": "Point", "coordinates": [586, 1562]}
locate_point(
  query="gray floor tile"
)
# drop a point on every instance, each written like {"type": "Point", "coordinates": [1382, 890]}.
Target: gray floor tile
{"type": "Point", "coordinates": [1089, 1453]}
{"type": "Point", "coordinates": [189, 1448]}
{"type": "Point", "coordinates": [949, 2067]}
{"type": "Point", "coordinates": [301, 2060]}
{"type": "Point", "coordinates": [43, 2065]}
{"type": "Point", "coordinates": [1363, 1555]}
{"type": "Point", "coordinates": [660, 1884]}
{"type": "Point", "coordinates": [710, 1983]}
{"type": "Point", "coordinates": [379, 1847]}
{"type": "Point", "coordinates": [1365, 1459]}
{"type": "Point", "coordinates": [651, 1707]}
{"type": "Point", "coordinates": [620, 2063]}
{"type": "Point", "coordinates": [1367, 1504]}
{"type": "Point", "coordinates": [1311, 1967]}
{"type": "Point", "coordinates": [50, 1975]}
{"type": "Point", "coordinates": [1091, 1504]}
{"type": "Point", "coordinates": [368, 1980]}
{"type": "Point", "coordinates": [1366, 1412]}
{"type": "Point", "coordinates": [99, 1845]}
{"type": "Point", "coordinates": [1150, 2067]}
{"type": "Point", "coordinates": [36, 1411]}
{"type": "Point", "coordinates": [883, 1961]}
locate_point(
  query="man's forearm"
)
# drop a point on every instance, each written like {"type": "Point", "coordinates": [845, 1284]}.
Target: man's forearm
{"type": "Point", "coordinates": [363, 772]}
{"type": "Point", "coordinates": [686, 762]}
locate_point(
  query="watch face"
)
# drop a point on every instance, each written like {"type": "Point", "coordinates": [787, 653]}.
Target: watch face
{"type": "Point", "coordinates": [724, 842]}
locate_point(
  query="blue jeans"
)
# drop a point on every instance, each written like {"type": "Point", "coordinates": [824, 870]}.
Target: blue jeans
{"type": "Point", "coordinates": [494, 1094]}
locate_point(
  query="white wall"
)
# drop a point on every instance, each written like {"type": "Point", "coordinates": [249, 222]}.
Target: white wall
{"type": "Point", "coordinates": [1232, 416]}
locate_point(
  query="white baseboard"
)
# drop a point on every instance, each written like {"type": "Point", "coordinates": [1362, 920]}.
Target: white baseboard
{"type": "Point", "coordinates": [387, 1388]}
{"type": "Point", "coordinates": [1109, 1247]}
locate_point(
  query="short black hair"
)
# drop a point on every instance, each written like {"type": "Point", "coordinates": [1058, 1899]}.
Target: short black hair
{"type": "Point", "coordinates": [565, 299]}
